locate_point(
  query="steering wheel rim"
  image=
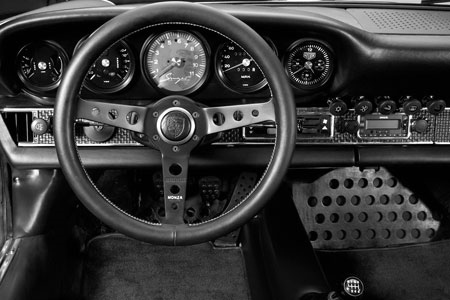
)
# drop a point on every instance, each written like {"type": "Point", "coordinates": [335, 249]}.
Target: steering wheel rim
{"type": "Point", "coordinates": [66, 111]}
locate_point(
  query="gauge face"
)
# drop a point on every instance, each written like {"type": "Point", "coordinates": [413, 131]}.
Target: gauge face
{"type": "Point", "coordinates": [112, 71]}
{"type": "Point", "coordinates": [40, 65]}
{"type": "Point", "coordinates": [176, 62]}
{"type": "Point", "coordinates": [308, 64]}
{"type": "Point", "coordinates": [237, 70]}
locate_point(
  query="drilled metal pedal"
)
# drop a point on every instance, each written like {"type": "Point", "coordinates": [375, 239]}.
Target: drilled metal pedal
{"type": "Point", "coordinates": [349, 208]}
{"type": "Point", "coordinates": [245, 184]}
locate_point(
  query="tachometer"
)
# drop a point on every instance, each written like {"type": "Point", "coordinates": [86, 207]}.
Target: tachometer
{"type": "Point", "coordinates": [112, 71]}
{"type": "Point", "coordinates": [308, 64]}
{"type": "Point", "coordinates": [40, 65]}
{"type": "Point", "coordinates": [175, 62]}
{"type": "Point", "coordinates": [237, 70]}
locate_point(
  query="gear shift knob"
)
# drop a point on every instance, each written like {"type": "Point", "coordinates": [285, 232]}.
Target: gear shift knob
{"type": "Point", "coordinates": [353, 288]}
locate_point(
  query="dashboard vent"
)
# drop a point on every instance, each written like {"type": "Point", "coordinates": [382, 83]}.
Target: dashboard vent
{"type": "Point", "coordinates": [19, 125]}
{"type": "Point", "coordinates": [396, 21]}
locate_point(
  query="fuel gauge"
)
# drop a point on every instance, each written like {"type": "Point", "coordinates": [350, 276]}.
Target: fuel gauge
{"type": "Point", "coordinates": [40, 65]}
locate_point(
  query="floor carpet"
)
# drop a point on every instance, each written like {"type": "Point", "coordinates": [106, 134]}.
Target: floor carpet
{"type": "Point", "coordinates": [410, 272]}
{"type": "Point", "coordinates": [117, 267]}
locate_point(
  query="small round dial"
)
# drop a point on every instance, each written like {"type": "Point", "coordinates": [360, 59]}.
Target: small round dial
{"type": "Point", "coordinates": [237, 70]}
{"type": "Point", "coordinates": [308, 64]}
{"type": "Point", "coordinates": [112, 71]}
{"type": "Point", "coordinates": [176, 62]}
{"type": "Point", "coordinates": [40, 65]}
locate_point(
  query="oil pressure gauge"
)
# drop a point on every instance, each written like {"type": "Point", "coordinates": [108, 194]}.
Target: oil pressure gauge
{"type": "Point", "coordinates": [308, 64]}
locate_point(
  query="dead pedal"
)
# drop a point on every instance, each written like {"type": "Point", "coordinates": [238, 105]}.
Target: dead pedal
{"type": "Point", "coordinates": [348, 208]}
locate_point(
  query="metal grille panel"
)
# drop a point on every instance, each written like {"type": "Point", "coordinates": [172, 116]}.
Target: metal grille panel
{"type": "Point", "coordinates": [396, 21]}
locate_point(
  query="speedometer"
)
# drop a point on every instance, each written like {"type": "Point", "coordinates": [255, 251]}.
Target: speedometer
{"type": "Point", "coordinates": [237, 70]}
{"type": "Point", "coordinates": [175, 62]}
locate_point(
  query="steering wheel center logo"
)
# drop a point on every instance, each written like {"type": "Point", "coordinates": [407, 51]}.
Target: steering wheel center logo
{"type": "Point", "coordinates": [175, 126]}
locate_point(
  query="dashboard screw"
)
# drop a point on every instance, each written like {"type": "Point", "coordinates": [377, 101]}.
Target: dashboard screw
{"type": "Point", "coordinates": [155, 114]}
{"type": "Point", "coordinates": [175, 149]}
{"type": "Point", "coordinates": [155, 137]}
{"type": "Point", "coordinates": [176, 103]}
{"type": "Point", "coordinates": [195, 114]}
{"type": "Point", "coordinates": [195, 138]}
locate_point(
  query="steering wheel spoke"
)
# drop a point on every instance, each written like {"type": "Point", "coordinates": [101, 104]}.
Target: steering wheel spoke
{"type": "Point", "coordinates": [175, 172]}
{"type": "Point", "coordinates": [221, 118]}
{"type": "Point", "coordinates": [131, 117]}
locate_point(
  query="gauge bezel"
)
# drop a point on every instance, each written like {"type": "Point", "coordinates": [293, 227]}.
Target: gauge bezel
{"type": "Point", "coordinates": [298, 43]}
{"type": "Point", "coordinates": [41, 89]}
{"type": "Point", "coordinates": [226, 82]}
{"type": "Point", "coordinates": [145, 70]}
{"type": "Point", "coordinates": [124, 83]}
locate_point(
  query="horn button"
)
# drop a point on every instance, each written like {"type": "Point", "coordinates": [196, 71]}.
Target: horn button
{"type": "Point", "coordinates": [175, 126]}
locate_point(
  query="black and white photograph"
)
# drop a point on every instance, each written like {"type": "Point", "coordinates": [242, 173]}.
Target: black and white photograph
{"type": "Point", "coordinates": [224, 150]}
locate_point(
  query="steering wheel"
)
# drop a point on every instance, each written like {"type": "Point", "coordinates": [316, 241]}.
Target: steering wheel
{"type": "Point", "coordinates": [175, 124]}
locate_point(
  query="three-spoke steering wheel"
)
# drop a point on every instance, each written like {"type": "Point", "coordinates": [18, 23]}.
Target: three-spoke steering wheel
{"type": "Point", "coordinates": [174, 125]}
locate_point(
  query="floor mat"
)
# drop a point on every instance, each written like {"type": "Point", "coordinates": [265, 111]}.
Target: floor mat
{"type": "Point", "coordinates": [409, 272]}
{"type": "Point", "coordinates": [117, 267]}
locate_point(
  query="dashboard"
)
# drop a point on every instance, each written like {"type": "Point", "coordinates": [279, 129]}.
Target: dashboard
{"type": "Point", "coordinates": [370, 82]}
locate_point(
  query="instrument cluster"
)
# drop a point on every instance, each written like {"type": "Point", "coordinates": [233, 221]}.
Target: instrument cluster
{"type": "Point", "coordinates": [174, 61]}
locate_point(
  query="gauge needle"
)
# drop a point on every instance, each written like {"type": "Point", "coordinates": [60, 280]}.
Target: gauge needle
{"type": "Point", "coordinates": [166, 69]}
{"type": "Point", "coordinates": [309, 66]}
{"type": "Point", "coordinates": [173, 62]}
{"type": "Point", "coordinates": [245, 62]}
{"type": "Point", "coordinates": [298, 71]}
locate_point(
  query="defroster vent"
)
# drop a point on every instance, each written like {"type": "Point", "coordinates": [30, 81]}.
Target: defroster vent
{"type": "Point", "coordinates": [19, 126]}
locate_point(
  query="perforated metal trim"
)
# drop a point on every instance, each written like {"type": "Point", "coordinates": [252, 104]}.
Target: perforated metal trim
{"type": "Point", "coordinates": [349, 208]}
{"type": "Point", "coordinates": [396, 21]}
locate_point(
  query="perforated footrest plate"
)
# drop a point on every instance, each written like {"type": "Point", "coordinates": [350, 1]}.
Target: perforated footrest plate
{"type": "Point", "coordinates": [349, 208]}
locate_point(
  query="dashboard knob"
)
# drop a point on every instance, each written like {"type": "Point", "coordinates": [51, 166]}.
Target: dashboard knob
{"type": "Point", "coordinates": [363, 106]}
{"type": "Point", "coordinates": [337, 107]}
{"type": "Point", "coordinates": [351, 126]}
{"type": "Point", "coordinates": [435, 106]}
{"type": "Point", "coordinates": [411, 106]}
{"type": "Point", "coordinates": [420, 125]}
{"type": "Point", "coordinates": [99, 133]}
{"type": "Point", "coordinates": [39, 126]}
{"type": "Point", "coordinates": [386, 105]}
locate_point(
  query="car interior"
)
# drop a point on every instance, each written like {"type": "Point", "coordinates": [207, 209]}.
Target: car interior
{"type": "Point", "coordinates": [263, 150]}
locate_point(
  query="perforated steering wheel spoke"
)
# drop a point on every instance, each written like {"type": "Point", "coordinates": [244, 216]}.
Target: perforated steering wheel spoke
{"type": "Point", "coordinates": [175, 172]}
{"type": "Point", "coordinates": [221, 118]}
{"type": "Point", "coordinates": [131, 117]}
